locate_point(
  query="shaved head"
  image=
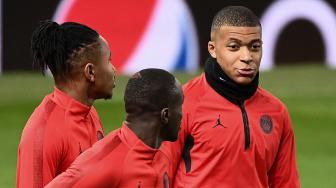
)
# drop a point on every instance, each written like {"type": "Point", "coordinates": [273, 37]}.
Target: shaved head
{"type": "Point", "coordinates": [237, 16]}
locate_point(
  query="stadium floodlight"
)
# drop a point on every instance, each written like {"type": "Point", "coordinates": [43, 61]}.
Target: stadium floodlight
{"type": "Point", "coordinates": [282, 12]}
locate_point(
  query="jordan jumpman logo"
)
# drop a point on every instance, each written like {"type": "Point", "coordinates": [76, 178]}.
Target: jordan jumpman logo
{"type": "Point", "coordinates": [218, 123]}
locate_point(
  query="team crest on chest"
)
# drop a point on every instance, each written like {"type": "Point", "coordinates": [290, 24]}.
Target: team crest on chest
{"type": "Point", "coordinates": [266, 124]}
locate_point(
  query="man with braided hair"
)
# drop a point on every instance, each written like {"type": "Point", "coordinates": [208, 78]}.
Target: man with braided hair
{"type": "Point", "coordinates": [65, 123]}
{"type": "Point", "coordinates": [130, 156]}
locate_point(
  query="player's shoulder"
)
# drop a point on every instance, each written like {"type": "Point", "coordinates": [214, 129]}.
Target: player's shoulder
{"type": "Point", "coordinates": [45, 125]}
{"type": "Point", "coordinates": [94, 112]}
{"type": "Point", "coordinates": [112, 140]}
{"type": "Point", "coordinates": [53, 118]}
{"type": "Point", "coordinates": [194, 88]}
{"type": "Point", "coordinates": [95, 116]}
{"type": "Point", "coordinates": [269, 98]}
{"type": "Point", "coordinates": [194, 84]}
{"type": "Point", "coordinates": [42, 113]}
{"type": "Point", "coordinates": [112, 135]}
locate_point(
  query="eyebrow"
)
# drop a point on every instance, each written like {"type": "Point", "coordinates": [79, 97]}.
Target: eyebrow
{"type": "Point", "coordinates": [237, 40]}
{"type": "Point", "coordinates": [256, 40]}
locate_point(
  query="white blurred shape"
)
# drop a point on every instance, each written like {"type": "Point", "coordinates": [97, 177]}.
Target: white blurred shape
{"type": "Point", "coordinates": [282, 12]}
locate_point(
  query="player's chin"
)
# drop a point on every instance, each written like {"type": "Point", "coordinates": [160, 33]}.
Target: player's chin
{"type": "Point", "coordinates": [244, 80]}
{"type": "Point", "coordinates": [109, 93]}
{"type": "Point", "coordinates": [109, 96]}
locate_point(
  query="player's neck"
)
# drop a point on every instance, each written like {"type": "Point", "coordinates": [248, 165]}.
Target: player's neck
{"type": "Point", "coordinates": [146, 130]}
{"type": "Point", "coordinates": [77, 92]}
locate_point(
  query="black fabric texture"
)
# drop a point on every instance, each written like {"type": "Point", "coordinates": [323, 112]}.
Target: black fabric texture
{"type": "Point", "coordinates": [189, 144]}
{"type": "Point", "coordinates": [225, 86]}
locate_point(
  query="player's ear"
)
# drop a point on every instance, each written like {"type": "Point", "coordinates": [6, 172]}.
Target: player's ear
{"type": "Point", "coordinates": [164, 115]}
{"type": "Point", "coordinates": [212, 49]}
{"type": "Point", "coordinates": [89, 72]}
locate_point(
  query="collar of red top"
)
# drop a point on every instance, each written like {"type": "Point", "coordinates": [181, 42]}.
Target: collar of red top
{"type": "Point", "coordinates": [136, 144]}
{"type": "Point", "coordinates": [67, 102]}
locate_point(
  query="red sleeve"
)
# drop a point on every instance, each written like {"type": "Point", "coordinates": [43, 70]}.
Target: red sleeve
{"type": "Point", "coordinates": [100, 175]}
{"type": "Point", "coordinates": [284, 173]}
{"type": "Point", "coordinates": [106, 169]}
{"type": "Point", "coordinates": [77, 169]}
{"type": "Point", "coordinates": [37, 159]}
{"type": "Point", "coordinates": [90, 167]}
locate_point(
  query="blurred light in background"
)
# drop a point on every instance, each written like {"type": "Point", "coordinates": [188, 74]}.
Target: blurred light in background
{"type": "Point", "coordinates": [281, 13]}
{"type": "Point", "coordinates": [141, 34]}
{"type": "Point", "coordinates": [163, 34]}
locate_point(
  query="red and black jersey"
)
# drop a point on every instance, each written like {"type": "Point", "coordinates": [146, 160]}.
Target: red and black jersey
{"type": "Point", "coordinates": [57, 132]}
{"type": "Point", "coordinates": [222, 144]}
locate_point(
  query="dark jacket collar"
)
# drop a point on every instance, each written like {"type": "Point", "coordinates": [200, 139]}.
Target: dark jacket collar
{"type": "Point", "coordinates": [225, 86]}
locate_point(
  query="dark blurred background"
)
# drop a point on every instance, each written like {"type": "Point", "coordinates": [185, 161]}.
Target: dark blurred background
{"type": "Point", "coordinates": [21, 17]}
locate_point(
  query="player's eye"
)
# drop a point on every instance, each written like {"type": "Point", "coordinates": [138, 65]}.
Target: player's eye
{"type": "Point", "coordinates": [233, 46]}
{"type": "Point", "coordinates": [256, 46]}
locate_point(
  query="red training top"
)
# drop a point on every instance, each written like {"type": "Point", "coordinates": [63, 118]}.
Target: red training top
{"type": "Point", "coordinates": [119, 160]}
{"type": "Point", "coordinates": [56, 133]}
{"type": "Point", "coordinates": [211, 152]}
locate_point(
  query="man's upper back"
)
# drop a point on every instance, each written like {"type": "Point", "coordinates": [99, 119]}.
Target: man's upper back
{"type": "Point", "coordinates": [57, 132]}
{"type": "Point", "coordinates": [119, 160]}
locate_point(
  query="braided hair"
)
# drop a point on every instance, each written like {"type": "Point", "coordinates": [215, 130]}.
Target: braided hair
{"type": "Point", "coordinates": [60, 47]}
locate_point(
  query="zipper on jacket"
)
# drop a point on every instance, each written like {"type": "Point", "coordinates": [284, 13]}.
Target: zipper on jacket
{"type": "Point", "coordinates": [246, 125]}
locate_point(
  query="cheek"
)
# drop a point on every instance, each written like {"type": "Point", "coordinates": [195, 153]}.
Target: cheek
{"type": "Point", "coordinates": [227, 59]}
{"type": "Point", "coordinates": [109, 73]}
{"type": "Point", "coordinates": [105, 78]}
{"type": "Point", "coordinates": [257, 58]}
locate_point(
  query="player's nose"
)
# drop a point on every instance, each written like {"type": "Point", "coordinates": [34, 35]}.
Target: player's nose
{"type": "Point", "coordinates": [245, 55]}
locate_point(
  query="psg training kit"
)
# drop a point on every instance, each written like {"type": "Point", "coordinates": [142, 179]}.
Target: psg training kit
{"type": "Point", "coordinates": [120, 160]}
{"type": "Point", "coordinates": [56, 133]}
{"type": "Point", "coordinates": [232, 136]}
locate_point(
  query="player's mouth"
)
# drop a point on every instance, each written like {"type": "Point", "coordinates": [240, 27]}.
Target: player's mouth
{"type": "Point", "coordinates": [246, 72]}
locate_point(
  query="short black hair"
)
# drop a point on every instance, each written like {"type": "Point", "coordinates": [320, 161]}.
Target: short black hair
{"type": "Point", "coordinates": [150, 90]}
{"type": "Point", "coordinates": [58, 47]}
{"type": "Point", "coordinates": [234, 16]}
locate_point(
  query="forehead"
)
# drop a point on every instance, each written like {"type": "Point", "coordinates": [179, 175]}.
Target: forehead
{"type": "Point", "coordinates": [245, 34]}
